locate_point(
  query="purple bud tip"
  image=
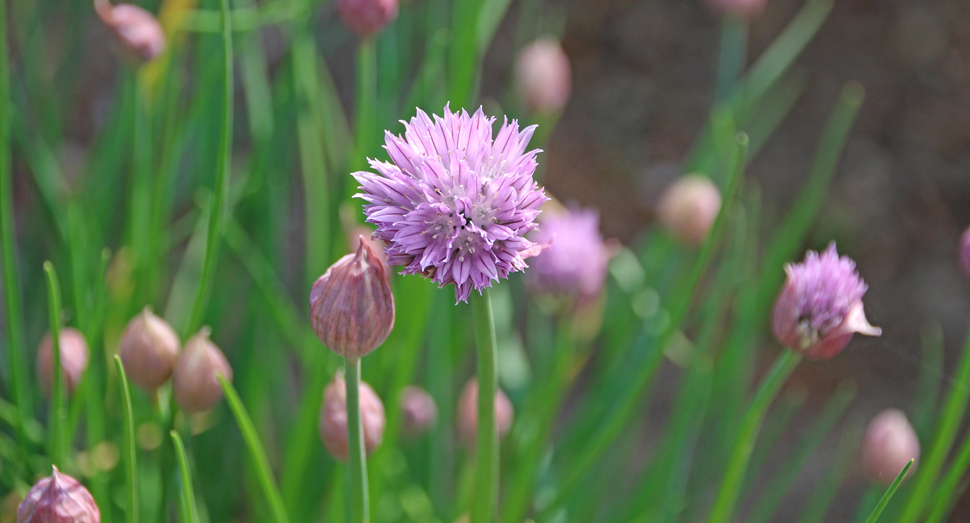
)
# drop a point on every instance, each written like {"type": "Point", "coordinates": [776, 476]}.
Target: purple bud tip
{"type": "Point", "coordinates": [455, 203]}
{"type": "Point", "coordinates": [820, 306]}
{"type": "Point", "coordinates": [888, 445]}
{"type": "Point", "coordinates": [574, 266]}
{"type": "Point", "coordinates": [58, 499]}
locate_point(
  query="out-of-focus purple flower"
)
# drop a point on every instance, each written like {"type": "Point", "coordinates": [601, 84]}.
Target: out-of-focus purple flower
{"type": "Point", "coordinates": [888, 445]}
{"type": "Point", "coordinates": [196, 379]}
{"type": "Point", "coordinates": [58, 499]}
{"type": "Point", "coordinates": [689, 207]}
{"type": "Point", "coordinates": [419, 409]}
{"type": "Point", "coordinates": [742, 8]}
{"type": "Point", "coordinates": [149, 349]}
{"type": "Point", "coordinates": [453, 204]}
{"type": "Point", "coordinates": [468, 413]}
{"type": "Point", "coordinates": [574, 266]}
{"type": "Point", "coordinates": [74, 358]}
{"type": "Point", "coordinates": [333, 418]}
{"type": "Point", "coordinates": [820, 306]}
{"type": "Point", "coordinates": [367, 17]}
{"type": "Point", "coordinates": [544, 76]}
{"type": "Point", "coordinates": [965, 251]}
{"type": "Point", "coordinates": [136, 30]}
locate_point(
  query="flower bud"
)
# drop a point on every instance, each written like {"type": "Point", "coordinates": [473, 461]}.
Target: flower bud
{"type": "Point", "coordinates": [741, 8]}
{"type": "Point", "coordinates": [888, 445]}
{"type": "Point", "coordinates": [196, 379]}
{"type": "Point", "coordinates": [573, 268]}
{"type": "Point", "coordinates": [333, 418]}
{"type": "Point", "coordinates": [689, 207]}
{"type": "Point", "coordinates": [149, 350]}
{"type": "Point", "coordinates": [351, 306]}
{"type": "Point", "coordinates": [419, 409]}
{"type": "Point", "coordinates": [965, 251]}
{"type": "Point", "coordinates": [468, 413]}
{"type": "Point", "coordinates": [820, 306]}
{"type": "Point", "coordinates": [74, 358]}
{"type": "Point", "coordinates": [367, 17]}
{"type": "Point", "coordinates": [58, 499]}
{"type": "Point", "coordinates": [543, 76]}
{"type": "Point", "coordinates": [137, 31]}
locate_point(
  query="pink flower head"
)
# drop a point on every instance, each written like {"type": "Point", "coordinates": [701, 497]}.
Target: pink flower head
{"type": "Point", "coordinates": [74, 358]}
{"type": "Point", "coordinates": [58, 499]}
{"type": "Point", "coordinates": [454, 204]}
{"type": "Point", "coordinates": [544, 76]}
{"type": "Point", "coordinates": [367, 17]}
{"type": "Point", "coordinates": [136, 30]}
{"type": "Point", "coordinates": [820, 306]}
{"type": "Point", "coordinates": [333, 418]}
{"type": "Point", "coordinates": [888, 445]}
{"type": "Point", "coordinates": [574, 266]}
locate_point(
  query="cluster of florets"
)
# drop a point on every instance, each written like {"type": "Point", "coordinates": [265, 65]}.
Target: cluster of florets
{"type": "Point", "coordinates": [454, 204]}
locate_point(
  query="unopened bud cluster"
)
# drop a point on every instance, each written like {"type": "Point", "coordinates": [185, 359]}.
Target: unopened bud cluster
{"type": "Point", "coordinates": [149, 350]}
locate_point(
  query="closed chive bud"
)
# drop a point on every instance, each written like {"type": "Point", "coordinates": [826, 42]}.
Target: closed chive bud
{"type": "Point", "coordinates": [544, 76]}
{"type": "Point", "coordinates": [58, 499]}
{"type": "Point", "coordinates": [74, 358]}
{"type": "Point", "coordinates": [820, 306]}
{"type": "Point", "coordinates": [137, 31]}
{"type": "Point", "coordinates": [367, 17]}
{"type": "Point", "coordinates": [351, 306]}
{"type": "Point", "coordinates": [468, 413]}
{"type": "Point", "coordinates": [333, 418]}
{"type": "Point", "coordinates": [887, 446]}
{"type": "Point", "coordinates": [196, 379]}
{"type": "Point", "coordinates": [965, 251]}
{"type": "Point", "coordinates": [419, 409]}
{"type": "Point", "coordinates": [689, 207]}
{"type": "Point", "coordinates": [149, 350]}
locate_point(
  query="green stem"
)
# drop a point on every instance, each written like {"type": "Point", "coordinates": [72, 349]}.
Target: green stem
{"type": "Point", "coordinates": [57, 414]}
{"type": "Point", "coordinates": [486, 459]}
{"type": "Point", "coordinates": [889, 494]}
{"type": "Point", "coordinates": [734, 44]}
{"type": "Point", "coordinates": [365, 121]}
{"type": "Point", "coordinates": [221, 190]}
{"type": "Point", "coordinates": [360, 508]}
{"type": "Point", "coordinates": [256, 451]}
{"type": "Point", "coordinates": [187, 500]}
{"type": "Point", "coordinates": [17, 372]}
{"type": "Point", "coordinates": [727, 495]}
{"type": "Point", "coordinates": [131, 474]}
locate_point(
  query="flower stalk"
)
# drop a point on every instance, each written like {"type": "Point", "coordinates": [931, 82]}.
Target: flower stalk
{"type": "Point", "coordinates": [355, 439]}
{"type": "Point", "coordinates": [486, 448]}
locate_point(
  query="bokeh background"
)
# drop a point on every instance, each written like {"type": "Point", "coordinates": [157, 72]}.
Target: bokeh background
{"type": "Point", "coordinates": [643, 80]}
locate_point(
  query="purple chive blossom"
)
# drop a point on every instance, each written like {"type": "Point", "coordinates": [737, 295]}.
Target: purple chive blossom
{"type": "Point", "coordinates": [453, 204]}
{"type": "Point", "coordinates": [820, 306]}
{"type": "Point", "coordinates": [574, 266]}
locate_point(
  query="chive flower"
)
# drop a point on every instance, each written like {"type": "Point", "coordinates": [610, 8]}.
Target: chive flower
{"type": "Point", "coordinates": [454, 203]}
{"type": "Point", "coordinates": [572, 270]}
{"type": "Point", "coordinates": [820, 306]}
{"type": "Point", "coordinates": [56, 499]}
{"type": "Point", "coordinates": [888, 445]}
{"type": "Point", "coordinates": [74, 358]}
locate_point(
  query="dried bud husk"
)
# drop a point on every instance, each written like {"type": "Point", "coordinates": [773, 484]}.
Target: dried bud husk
{"type": "Point", "coordinates": [367, 17]}
{"type": "Point", "coordinates": [58, 499]}
{"type": "Point", "coordinates": [689, 207]}
{"type": "Point", "coordinates": [333, 418]}
{"type": "Point", "coordinates": [196, 379]}
{"type": "Point", "coordinates": [351, 306]}
{"type": "Point", "coordinates": [888, 445]}
{"type": "Point", "coordinates": [149, 349]}
{"type": "Point", "coordinates": [74, 358]}
{"type": "Point", "coordinates": [419, 409]}
{"type": "Point", "coordinates": [468, 413]}
{"type": "Point", "coordinates": [137, 31]}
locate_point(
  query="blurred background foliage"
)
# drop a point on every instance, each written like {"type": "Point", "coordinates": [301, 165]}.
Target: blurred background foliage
{"type": "Point", "coordinates": [114, 170]}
